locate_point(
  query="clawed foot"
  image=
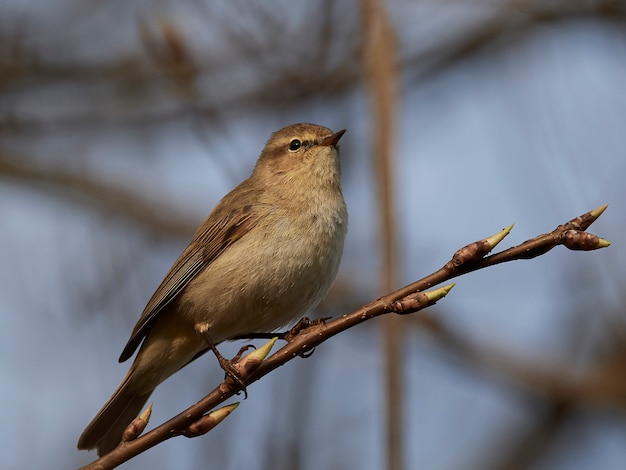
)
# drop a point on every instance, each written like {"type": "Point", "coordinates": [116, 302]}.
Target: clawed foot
{"type": "Point", "coordinates": [302, 325]}
{"type": "Point", "coordinates": [228, 365]}
{"type": "Point", "coordinates": [242, 350]}
{"type": "Point", "coordinates": [288, 336]}
{"type": "Point", "coordinates": [231, 370]}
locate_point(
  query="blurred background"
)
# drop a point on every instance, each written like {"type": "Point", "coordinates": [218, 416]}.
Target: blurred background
{"type": "Point", "coordinates": [123, 123]}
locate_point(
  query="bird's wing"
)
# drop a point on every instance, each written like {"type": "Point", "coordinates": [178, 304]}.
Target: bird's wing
{"type": "Point", "coordinates": [223, 229]}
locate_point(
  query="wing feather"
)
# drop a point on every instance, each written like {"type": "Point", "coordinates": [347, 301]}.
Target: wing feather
{"type": "Point", "coordinates": [224, 228]}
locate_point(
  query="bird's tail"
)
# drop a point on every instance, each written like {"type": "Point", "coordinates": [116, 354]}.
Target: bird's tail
{"type": "Point", "coordinates": [105, 430]}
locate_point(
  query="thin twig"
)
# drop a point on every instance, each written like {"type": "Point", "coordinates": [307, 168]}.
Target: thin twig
{"type": "Point", "coordinates": [408, 299]}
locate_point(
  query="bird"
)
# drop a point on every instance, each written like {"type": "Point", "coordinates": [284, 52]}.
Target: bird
{"type": "Point", "coordinates": [265, 255]}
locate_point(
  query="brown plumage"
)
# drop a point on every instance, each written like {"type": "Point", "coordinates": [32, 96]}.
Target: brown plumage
{"type": "Point", "coordinates": [265, 255]}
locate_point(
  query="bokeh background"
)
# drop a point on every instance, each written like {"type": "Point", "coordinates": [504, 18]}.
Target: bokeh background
{"type": "Point", "coordinates": [123, 123]}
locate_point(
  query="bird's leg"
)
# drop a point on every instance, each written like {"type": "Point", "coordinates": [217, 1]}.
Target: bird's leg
{"type": "Point", "coordinates": [288, 335]}
{"type": "Point", "coordinates": [227, 365]}
{"type": "Point", "coordinates": [278, 335]}
{"type": "Point", "coordinates": [302, 325]}
{"type": "Point", "coordinates": [242, 350]}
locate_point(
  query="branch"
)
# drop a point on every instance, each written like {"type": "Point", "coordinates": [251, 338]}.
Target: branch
{"type": "Point", "coordinates": [131, 77]}
{"type": "Point", "coordinates": [379, 57]}
{"type": "Point", "coordinates": [305, 336]}
{"type": "Point", "coordinates": [111, 198]}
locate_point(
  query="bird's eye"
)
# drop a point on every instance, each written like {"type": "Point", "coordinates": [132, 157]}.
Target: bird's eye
{"type": "Point", "coordinates": [294, 145]}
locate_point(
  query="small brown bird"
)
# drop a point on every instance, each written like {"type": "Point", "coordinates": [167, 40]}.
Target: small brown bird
{"type": "Point", "coordinates": [267, 253]}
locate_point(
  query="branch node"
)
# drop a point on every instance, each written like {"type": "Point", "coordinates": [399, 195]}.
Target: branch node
{"type": "Point", "coordinates": [585, 241]}
{"type": "Point", "coordinates": [418, 300]}
{"type": "Point", "coordinates": [479, 249]}
{"type": "Point", "coordinates": [253, 360]}
{"type": "Point", "coordinates": [137, 425]}
{"type": "Point", "coordinates": [582, 222]}
{"type": "Point", "coordinates": [208, 422]}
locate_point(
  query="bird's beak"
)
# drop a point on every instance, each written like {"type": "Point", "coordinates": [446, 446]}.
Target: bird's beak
{"type": "Point", "coordinates": [333, 139]}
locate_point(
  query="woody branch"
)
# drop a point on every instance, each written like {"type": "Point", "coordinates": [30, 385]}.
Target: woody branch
{"type": "Point", "coordinates": [199, 419]}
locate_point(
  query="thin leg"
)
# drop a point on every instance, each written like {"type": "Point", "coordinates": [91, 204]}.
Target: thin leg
{"type": "Point", "coordinates": [303, 324]}
{"type": "Point", "coordinates": [227, 365]}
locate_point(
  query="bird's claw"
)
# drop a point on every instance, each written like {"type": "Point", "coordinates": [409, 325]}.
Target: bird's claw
{"type": "Point", "coordinates": [232, 372]}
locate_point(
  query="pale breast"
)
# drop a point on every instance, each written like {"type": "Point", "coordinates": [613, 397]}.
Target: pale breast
{"type": "Point", "coordinates": [270, 277]}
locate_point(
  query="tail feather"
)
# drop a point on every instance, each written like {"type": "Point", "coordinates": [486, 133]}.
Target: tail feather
{"type": "Point", "coordinates": [105, 430]}
{"type": "Point", "coordinates": [170, 344]}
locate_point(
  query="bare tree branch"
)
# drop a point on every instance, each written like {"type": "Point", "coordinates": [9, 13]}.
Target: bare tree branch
{"type": "Point", "coordinates": [307, 335]}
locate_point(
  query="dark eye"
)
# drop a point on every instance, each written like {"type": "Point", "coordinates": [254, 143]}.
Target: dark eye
{"type": "Point", "coordinates": [294, 145]}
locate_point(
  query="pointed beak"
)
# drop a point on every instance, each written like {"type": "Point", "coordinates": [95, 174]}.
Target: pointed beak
{"type": "Point", "coordinates": [333, 139]}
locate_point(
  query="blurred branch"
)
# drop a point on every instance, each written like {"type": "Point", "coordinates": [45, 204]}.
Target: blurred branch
{"type": "Point", "coordinates": [506, 20]}
{"type": "Point", "coordinates": [556, 392]}
{"type": "Point", "coordinates": [108, 197]}
{"type": "Point", "coordinates": [522, 454]}
{"type": "Point", "coordinates": [216, 83]}
{"type": "Point", "coordinates": [286, 76]}
{"type": "Point", "coordinates": [170, 53]}
{"type": "Point", "coordinates": [305, 336]}
{"type": "Point", "coordinates": [379, 51]}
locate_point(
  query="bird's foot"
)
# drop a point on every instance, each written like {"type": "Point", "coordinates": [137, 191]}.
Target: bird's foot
{"type": "Point", "coordinates": [302, 325]}
{"type": "Point", "coordinates": [229, 366]}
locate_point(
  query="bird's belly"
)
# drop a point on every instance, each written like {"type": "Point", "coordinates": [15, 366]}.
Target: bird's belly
{"type": "Point", "coordinates": [261, 287]}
